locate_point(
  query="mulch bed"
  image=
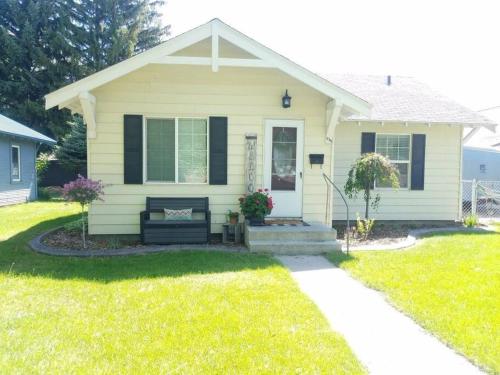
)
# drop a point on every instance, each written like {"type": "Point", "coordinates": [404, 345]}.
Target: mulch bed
{"type": "Point", "coordinates": [71, 239]}
{"type": "Point", "coordinates": [386, 234]}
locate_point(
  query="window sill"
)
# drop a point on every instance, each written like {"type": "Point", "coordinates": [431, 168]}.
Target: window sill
{"type": "Point", "coordinates": [173, 183]}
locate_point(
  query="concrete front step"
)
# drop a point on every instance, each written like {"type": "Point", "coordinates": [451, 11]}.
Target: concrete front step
{"type": "Point", "coordinates": [288, 239]}
{"type": "Point", "coordinates": [313, 232]}
{"type": "Point", "coordinates": [294, 247]}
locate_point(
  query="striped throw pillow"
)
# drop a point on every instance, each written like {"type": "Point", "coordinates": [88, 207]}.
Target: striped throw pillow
{"type": "Point", "coordinates": [184, 214]}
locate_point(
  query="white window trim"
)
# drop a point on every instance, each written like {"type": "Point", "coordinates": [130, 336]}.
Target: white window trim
{"type": "Point", "coordinates": [145, 180]}
{"type": "Point", "coordinates": [408, 187]}
{"type": "Point", "coordinates": [18, 147]}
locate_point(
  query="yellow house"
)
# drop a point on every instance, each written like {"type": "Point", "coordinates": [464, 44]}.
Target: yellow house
{"type": "Point", "coordinates": [211, 111]}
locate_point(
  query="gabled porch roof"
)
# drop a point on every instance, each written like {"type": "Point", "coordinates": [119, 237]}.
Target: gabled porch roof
{"type": "Point", "coordinates": [77, 96]}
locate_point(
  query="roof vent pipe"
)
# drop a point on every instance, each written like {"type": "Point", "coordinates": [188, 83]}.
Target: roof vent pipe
{"type": "Point", "coordinates": [389, 80]}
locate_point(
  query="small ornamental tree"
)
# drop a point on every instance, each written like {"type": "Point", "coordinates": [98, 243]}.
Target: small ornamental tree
{"type": "Point", "coordinates": [84, 191]}
{"type": "Point", "coordinates": [364, 172]}
{"type": "Point", "coordinates": [256, 205]}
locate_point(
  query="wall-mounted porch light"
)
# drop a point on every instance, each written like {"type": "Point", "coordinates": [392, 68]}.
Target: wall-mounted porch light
{"type": "Point", "coordinates": [286, 100]}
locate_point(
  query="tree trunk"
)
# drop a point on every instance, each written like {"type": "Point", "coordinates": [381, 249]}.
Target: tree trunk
{"type": "Point", "coordinates": [367, 202]}
{"type": "Point", "coordinates": [83, 227]}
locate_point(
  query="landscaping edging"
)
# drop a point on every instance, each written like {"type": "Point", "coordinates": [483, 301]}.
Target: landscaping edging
{"type": "Point", "coordinates": [413, 236]}
{"type": "Point", "coordinates": [37, 245]}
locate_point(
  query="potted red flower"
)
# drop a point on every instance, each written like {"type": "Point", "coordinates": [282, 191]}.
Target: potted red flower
{"type": "Point", "coordinates": [256, 206]}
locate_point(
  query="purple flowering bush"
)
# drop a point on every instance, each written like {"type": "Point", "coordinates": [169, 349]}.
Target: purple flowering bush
{"type": "Point", "coordinates": [84, 191]}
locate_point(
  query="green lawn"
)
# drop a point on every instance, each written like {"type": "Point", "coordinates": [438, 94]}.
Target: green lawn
{"type": "Point", "coordinates": [187, 312]}
{"type": "Point", "coordinates": [449, 283]}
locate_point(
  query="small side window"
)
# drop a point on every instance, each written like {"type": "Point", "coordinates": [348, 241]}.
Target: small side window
{"type": "Point", "coordinates": [15, 163]}
{"type": "Point", "coordinates": [482, 168]}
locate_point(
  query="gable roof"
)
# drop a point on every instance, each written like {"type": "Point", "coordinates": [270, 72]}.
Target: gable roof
{"type": "Point", "coordinates": [68, 95]}
{"type": "Point", "coordinates": [406, 100]}
{"type": "Point", "coordinates": [13, 128]}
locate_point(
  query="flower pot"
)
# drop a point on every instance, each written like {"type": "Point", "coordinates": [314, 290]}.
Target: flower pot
{"type": "Point", "coordinates": [256, 221]}
{"type": "Point", "coordinates": [233, 220]}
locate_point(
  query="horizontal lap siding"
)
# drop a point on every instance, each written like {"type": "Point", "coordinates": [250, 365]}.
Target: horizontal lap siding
{"type": "Point", "coordinates": [12, 192]}
{"type": "Point", "coordinates": [246, 96]}
{"type": "Point", "coordinates": [440, 198]}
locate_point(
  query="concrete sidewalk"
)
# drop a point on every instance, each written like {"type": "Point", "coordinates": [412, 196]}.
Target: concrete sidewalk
{"type": "Point", "coordinates": [385, 340]}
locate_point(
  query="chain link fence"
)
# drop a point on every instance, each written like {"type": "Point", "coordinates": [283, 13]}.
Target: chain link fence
{"type": "Point", "coordinates": [481, 198]}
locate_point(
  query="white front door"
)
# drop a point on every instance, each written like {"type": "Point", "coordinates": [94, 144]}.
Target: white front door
{"type": "Point", "coordinates": [283, 162]}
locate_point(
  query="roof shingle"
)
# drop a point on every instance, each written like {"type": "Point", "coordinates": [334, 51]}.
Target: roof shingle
{"type": "Point", "coordinates": [405, 100]}
{"type": "Point", "coordinates": [11, 127]}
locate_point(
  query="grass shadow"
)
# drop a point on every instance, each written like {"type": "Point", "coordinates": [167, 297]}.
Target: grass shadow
{"type": "Point", "coordinates": [17, 258]}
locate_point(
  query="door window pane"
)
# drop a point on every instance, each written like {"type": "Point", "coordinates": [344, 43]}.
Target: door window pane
{"type": "Point", "coordinates": [284, 150]}
{"type": "Point", "coordinates": [193, 150]}
{"type": "Point", "coordinates": [161, 150]}
{"type": "Point", "coordinates": [15, 164]}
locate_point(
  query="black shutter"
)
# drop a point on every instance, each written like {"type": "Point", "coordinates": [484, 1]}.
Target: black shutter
{"type": "Point", "coordinates": [132, 149]}
{"type": "Point", "coordinates": [417, 161]}
{"type": "Point", "coordinates": [367, 143]}
{"type": "Point", "coordinates": [218, 151]}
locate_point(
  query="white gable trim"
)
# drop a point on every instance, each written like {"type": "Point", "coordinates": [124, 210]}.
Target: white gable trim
{"type": "Point", "coordinates": [214, 29]}
{"type": "Point", "coordinates": [490, 127]}
{"type": "Point", "coordinates": [67, 93]}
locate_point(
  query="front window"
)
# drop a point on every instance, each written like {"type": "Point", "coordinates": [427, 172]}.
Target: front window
{"type": "Point", "coordinates": [396, 148]}
{"type": "Point", "coordinates": [15, 163]}
{"type": "Point", "coordinates": [177, 150]}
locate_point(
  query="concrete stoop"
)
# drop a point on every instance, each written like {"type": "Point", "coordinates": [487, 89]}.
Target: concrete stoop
{"type": "Point", "coordinates": [292, 240]}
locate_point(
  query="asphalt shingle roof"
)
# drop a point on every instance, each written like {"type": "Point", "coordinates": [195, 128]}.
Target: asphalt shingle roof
{"type": "Point", "coordinates": [406, 99]}
{"type": "Point", "coordinates": [11, 127]}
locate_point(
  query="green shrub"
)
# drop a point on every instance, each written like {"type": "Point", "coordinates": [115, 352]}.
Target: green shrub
{"type": "Point", "coordinates": [49, 193]}
{"type": "Point", "coordinates": [74, 226]}
{"type": "Point", "coordinates": [364, 227]}
{"type": "Point", "coordinates": [471, 221]}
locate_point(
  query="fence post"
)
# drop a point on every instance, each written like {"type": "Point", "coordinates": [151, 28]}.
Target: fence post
{"type": "Point", "coordinates": [474, 197]}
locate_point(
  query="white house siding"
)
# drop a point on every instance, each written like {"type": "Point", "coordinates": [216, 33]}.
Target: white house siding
{"type": "Point", "coordinates": [246, 96]}
{"type": "Point", "coordinates": [440, 198]}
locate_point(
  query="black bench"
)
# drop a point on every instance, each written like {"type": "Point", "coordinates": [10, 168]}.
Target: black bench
{"type": "Point", "coordinates": [162, 231]}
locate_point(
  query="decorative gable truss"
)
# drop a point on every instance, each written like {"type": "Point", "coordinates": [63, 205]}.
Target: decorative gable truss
{"type": "Point", "coordinates": [213, 35]}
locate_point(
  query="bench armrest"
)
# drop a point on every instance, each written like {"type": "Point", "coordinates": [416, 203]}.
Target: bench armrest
{"type": "Point", "coordinates": [209, 224]}
{"type": "Point", "coordinates": [144, 216]}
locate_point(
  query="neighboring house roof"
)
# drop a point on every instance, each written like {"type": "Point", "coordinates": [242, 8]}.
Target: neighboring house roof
{"type": "Point", "coordinates": [406, 100]}
{"type": "Point", "coordinates": [484, 138]}
{"type": "Point", "coordinates": [11, 127]}
{"type": "Point", "coordinates": [164, 54]}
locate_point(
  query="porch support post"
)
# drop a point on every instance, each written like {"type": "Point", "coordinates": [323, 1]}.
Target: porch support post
{"type": "Point", "coordinates": [333, 109]}
{"type": "Point", "coordinates": [88, 102]}
{"type": "Point", "coordinates": [250, 162]}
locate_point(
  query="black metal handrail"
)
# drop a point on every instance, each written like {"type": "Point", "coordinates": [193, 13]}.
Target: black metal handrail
{"type": "Point", "coordinates": [347, 229]}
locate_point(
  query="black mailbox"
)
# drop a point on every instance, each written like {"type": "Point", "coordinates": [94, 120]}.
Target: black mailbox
{"type": "Point", "coordinates": [317, 159]}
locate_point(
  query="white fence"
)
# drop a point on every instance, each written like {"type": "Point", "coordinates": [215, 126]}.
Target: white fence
{"type": "Point", "coordinates": [481, 198]}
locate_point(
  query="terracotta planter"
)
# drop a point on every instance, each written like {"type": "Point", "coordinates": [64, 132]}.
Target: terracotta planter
{"type": "Point", "coordinates": [233, 220]}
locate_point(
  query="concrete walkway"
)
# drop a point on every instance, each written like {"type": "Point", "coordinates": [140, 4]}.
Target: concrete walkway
{"type": "Point", "coordinates": [385, 340]}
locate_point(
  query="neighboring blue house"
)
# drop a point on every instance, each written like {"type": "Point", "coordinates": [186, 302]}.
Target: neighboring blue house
{"type": "Point", "coordinates": [18, 148]}
{"type": "Point", "coordinates": [481, 164]}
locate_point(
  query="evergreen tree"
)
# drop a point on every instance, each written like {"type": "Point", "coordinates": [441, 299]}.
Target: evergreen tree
{"type": "Point", "coordinates": [46, 44]}
{"type": "Point", "coordinates": [72, 151]}
{"type": "Point", "coordinates": [109, 31]}
{"type": "Point", "coordinates": [36, 57]}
